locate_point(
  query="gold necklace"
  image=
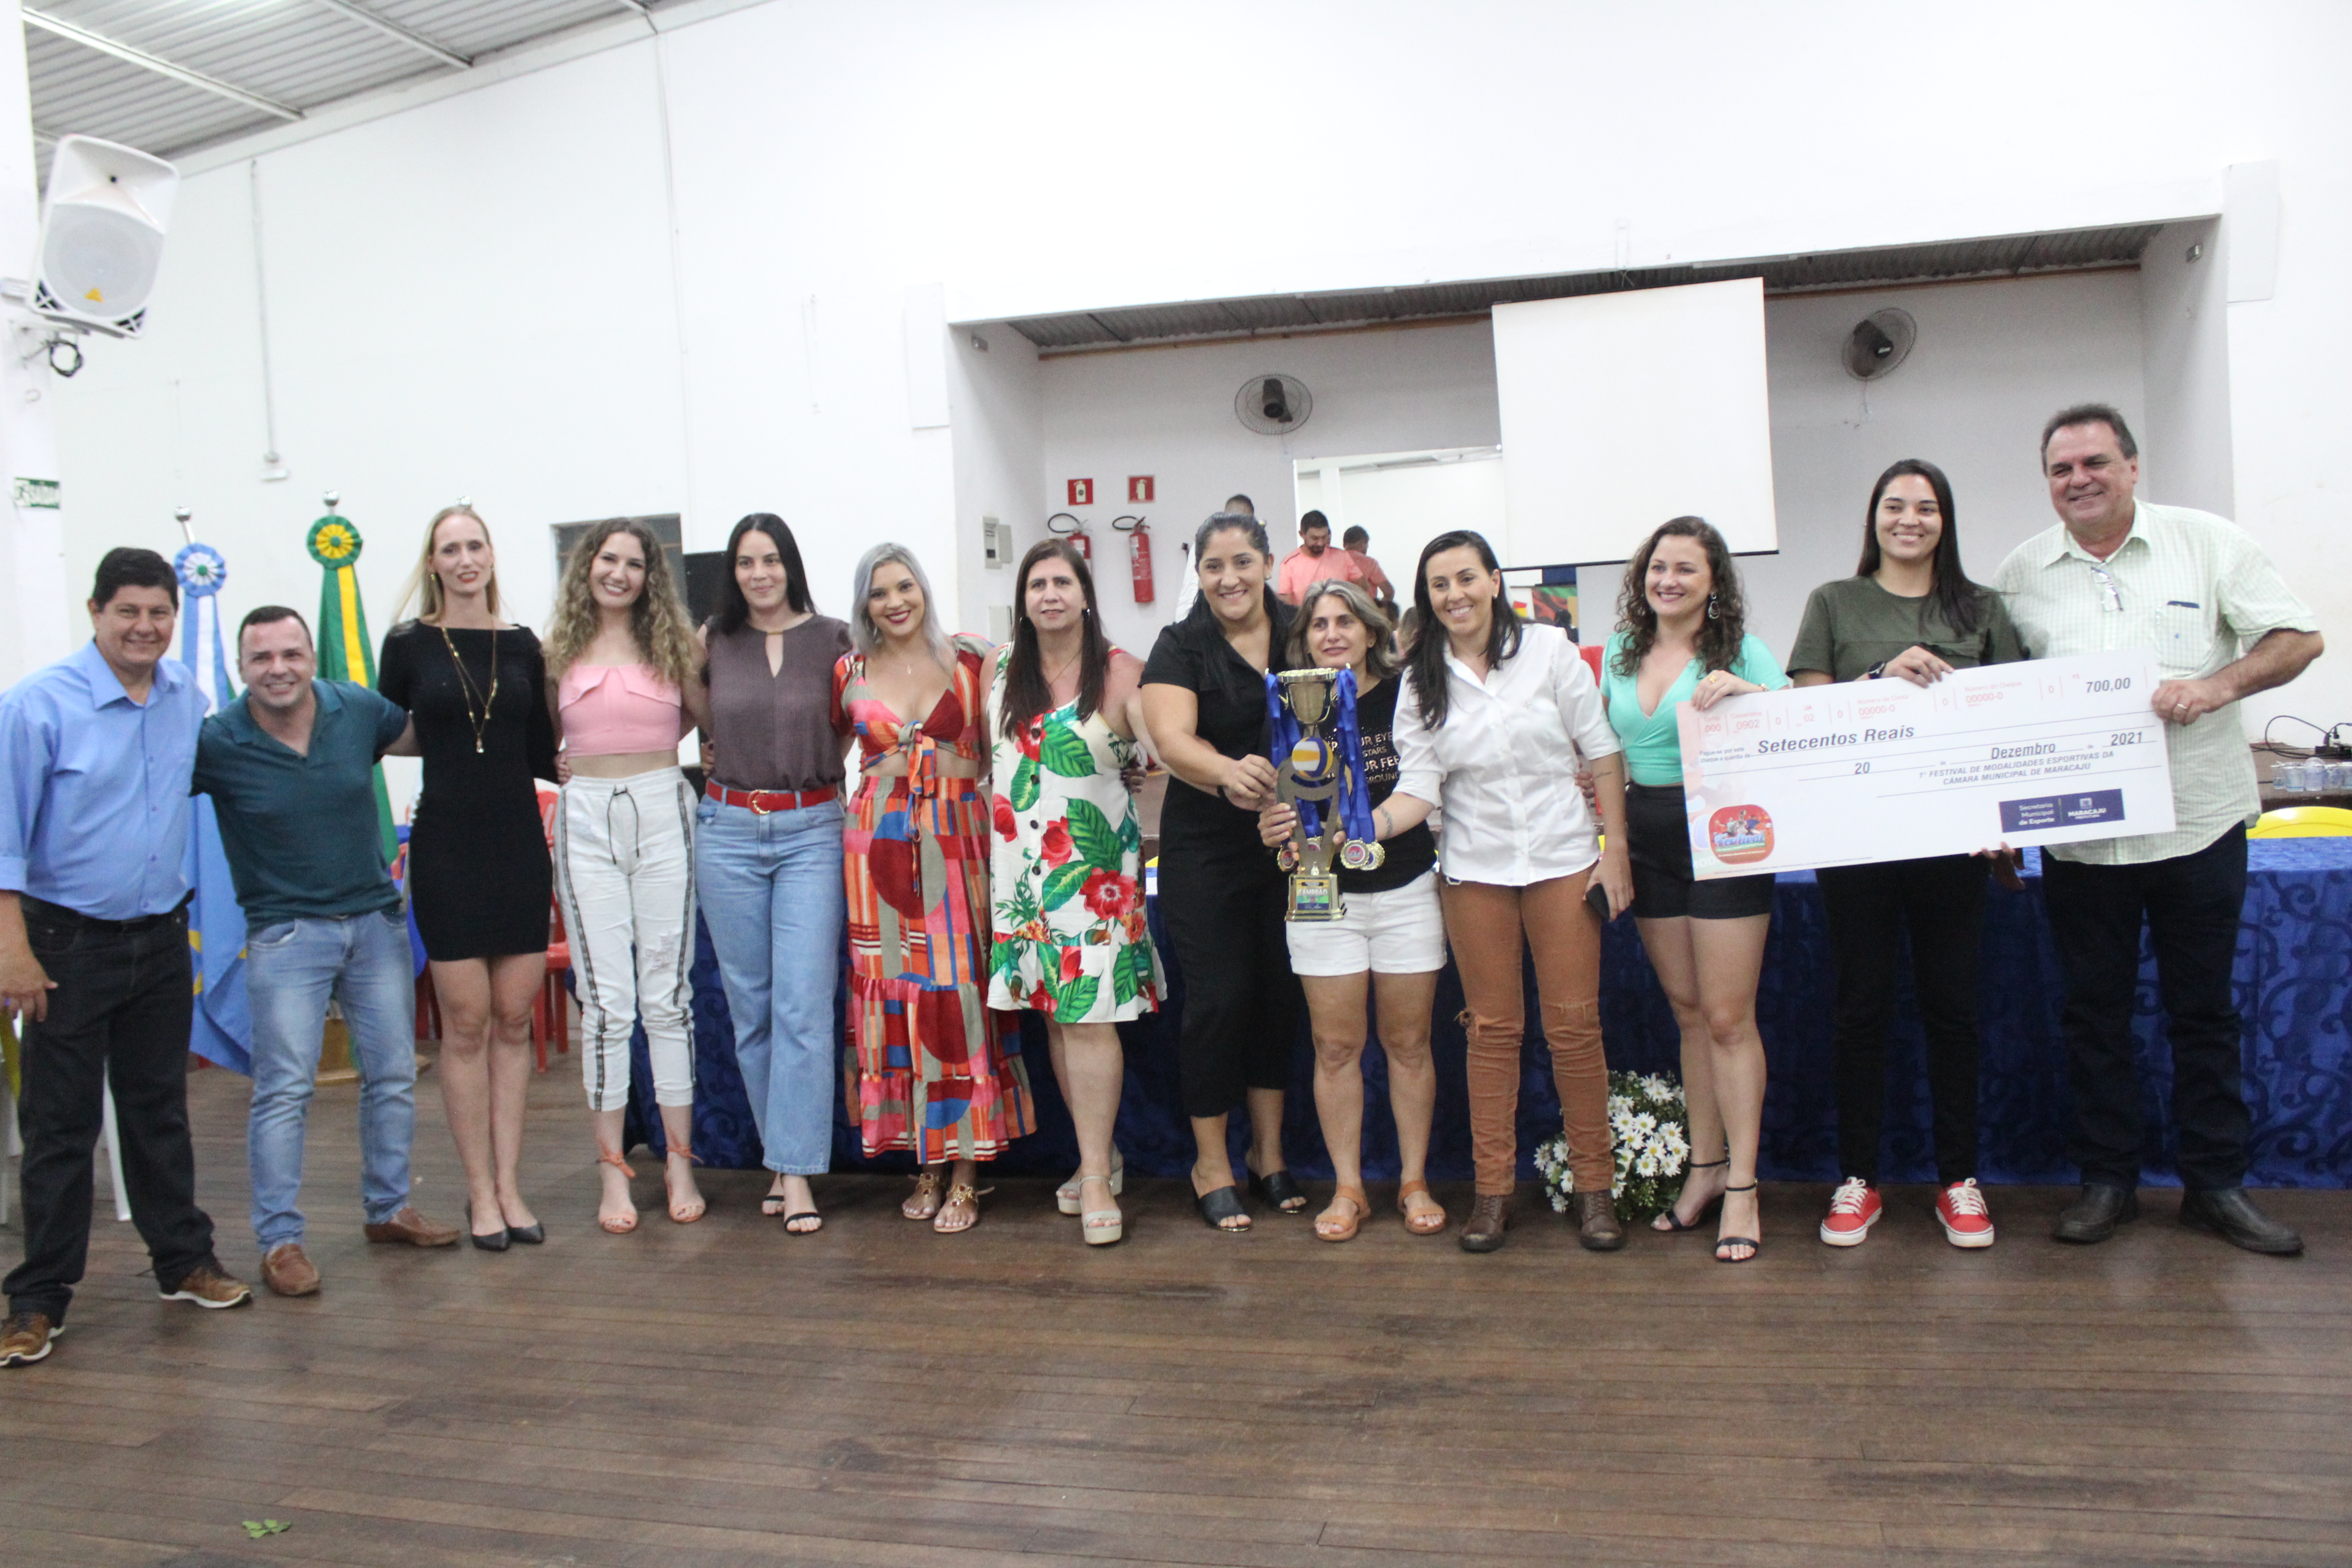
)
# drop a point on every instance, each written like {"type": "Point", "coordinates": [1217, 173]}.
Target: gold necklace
{"type": "Point", "coordinates": [1067, 665]}
{"type": "Point", "coordinates": [468, 689]}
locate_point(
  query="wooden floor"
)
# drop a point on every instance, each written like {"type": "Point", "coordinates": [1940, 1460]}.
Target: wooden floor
{"type": "Point", "coordinates": [724, 1394]}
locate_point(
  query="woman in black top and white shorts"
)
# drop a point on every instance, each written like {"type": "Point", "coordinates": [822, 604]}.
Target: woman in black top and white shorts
{"type": "Point", "coordinates": [1220, 890]}
{"type": "Point", "coordinates": [480, 881]}
{"type": "Point", "coordinates": [1394, 932]}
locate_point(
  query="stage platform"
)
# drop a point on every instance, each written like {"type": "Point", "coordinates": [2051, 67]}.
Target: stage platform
{"type": "Point", "coordinates": [724, 1394]}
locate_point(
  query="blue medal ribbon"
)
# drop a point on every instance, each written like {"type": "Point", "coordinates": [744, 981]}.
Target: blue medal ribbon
{"type": "Point", "coordinates": [1355, 801]}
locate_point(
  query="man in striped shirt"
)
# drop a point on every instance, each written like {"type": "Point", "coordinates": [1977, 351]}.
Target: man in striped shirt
{"type": "Point", "coordinates": [2121, 572]}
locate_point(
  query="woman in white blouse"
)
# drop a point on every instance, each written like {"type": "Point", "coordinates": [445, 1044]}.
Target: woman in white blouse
{"type": "Point", "coordinates": [1494, 714]}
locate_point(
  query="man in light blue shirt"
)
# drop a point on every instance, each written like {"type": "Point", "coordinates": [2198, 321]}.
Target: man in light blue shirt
{"type": "Point", "coordinates": [95, 756]}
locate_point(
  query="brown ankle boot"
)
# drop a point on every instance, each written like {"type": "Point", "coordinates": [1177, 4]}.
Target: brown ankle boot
{"type": "Point", "coordinates": [1598, 1226]}
{"type": "Point", "coordinates": [1489, 1218]}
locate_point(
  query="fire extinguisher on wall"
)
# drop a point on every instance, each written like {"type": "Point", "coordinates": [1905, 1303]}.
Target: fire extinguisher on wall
{"type": "Point", "coordinates": [1075, 532]}
{"type": "Point", "coordinates": [1138, 552]}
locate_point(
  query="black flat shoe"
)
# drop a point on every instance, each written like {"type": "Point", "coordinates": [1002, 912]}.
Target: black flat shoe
{"type": "Point", "coordinates": [529, 1235]}
{"type": "Point", "coordinates": [495, 1241]}
{"type": "Point", "coordinates": [1219, 1204]}
{"type": "Point", "coordinates": [2092, 1216]}
{"type": "Point", "coordinates": [1280, 1192]}
{"type": "Point", "coordinates": [2231, 1214]}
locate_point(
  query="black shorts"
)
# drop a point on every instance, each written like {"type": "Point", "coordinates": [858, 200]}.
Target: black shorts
{"type": "Point", "coordinates": [1658, 838]}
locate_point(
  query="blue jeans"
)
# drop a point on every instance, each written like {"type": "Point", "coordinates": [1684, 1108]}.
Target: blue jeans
{"type": "Point", "coordinates": [291, 967]}
{"type": "Point", "coordinates": [771, 895]}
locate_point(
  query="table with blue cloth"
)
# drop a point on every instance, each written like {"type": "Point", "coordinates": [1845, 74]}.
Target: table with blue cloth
{"type": "Point", "coordinates": [2294, 985]}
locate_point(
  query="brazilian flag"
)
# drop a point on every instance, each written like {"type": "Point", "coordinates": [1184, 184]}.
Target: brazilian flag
{"type": "Point", "coordinates": [345, 650]}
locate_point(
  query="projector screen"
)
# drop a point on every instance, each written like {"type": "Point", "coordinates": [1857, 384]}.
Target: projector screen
{"type": "Point", "coordinates": [1620, 411]}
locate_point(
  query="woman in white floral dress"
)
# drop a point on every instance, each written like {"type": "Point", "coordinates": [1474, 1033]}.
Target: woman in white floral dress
{"type": "Point", "coordinates": [1066, 870]}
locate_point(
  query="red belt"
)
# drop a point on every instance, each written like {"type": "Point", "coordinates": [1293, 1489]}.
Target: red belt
{"type": "Point", "coordinates": [765, 801]}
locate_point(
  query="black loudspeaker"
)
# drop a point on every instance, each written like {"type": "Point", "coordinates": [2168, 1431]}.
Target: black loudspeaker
{"type": "Point", "coordinates": [705, 570]}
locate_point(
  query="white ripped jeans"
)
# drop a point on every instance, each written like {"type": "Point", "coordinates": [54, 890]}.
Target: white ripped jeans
{"type": "Point", "coordinates": [624, 875]}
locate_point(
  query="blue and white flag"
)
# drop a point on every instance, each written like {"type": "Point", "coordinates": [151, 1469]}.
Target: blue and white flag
{"type": "Point", "coordinates": [222, 1032]}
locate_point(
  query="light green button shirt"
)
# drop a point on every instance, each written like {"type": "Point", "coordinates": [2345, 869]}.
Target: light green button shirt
{"type": "Point", "coordinates": [2195, 589]}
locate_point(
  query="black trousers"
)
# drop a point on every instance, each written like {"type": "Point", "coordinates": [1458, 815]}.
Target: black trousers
{"type": "Point", "coordinates": [1942, 899]}
{"type": "Point", "coordinates": [1241, 1004]}
{"type": "Point", "coordinates": [120, 1015]}
{"type": "Point", "coordinates": [2192, 905]}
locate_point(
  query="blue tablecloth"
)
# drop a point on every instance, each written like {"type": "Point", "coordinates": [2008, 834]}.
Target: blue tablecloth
{"type": "Point", "coordinates": [2293, 985]}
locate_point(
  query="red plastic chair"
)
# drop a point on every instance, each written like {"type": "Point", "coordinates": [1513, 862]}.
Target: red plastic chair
{"type": "Point", "coordinates": [548, 1015]}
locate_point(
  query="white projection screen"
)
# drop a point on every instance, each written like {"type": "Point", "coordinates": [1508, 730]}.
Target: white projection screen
{"type": "Point", "coordinates": [1620, 411]}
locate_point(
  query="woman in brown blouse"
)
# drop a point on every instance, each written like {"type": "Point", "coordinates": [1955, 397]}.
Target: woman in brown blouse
{"type": "Point", "coordinates": [767, 849]}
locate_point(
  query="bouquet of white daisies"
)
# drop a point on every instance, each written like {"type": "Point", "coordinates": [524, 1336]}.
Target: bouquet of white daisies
{"type": "Point", "coordinates": [1651, 1130]}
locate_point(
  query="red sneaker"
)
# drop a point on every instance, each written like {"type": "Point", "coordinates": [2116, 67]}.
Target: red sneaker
{"type": "Point", "coordinates": [1853, 1209]}
{"type": "Point", "coordinates": [1961, 1212]}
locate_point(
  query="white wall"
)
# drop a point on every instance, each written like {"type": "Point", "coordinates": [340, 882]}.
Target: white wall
{"type": "Point", "coordinates": [500, 293]}
{"type": "Point", "coordinates": [996, 399]}
{"type": "Point", "coordinates": [1992, 361]}
{"type": "Point", "coordinates": [1169, 413]}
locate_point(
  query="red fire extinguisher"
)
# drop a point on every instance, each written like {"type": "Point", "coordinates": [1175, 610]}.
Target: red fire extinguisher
{"type": "Point", "coordinates": [1075, 533]}
{"type": "Point", "coordinates": [1138, 552]}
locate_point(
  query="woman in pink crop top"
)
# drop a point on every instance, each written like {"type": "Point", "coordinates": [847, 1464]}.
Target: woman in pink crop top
{"type": "Point", "coordinates": [622, 655]}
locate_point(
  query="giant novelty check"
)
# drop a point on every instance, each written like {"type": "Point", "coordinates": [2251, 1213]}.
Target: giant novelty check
{"type": "Point", "coordinates": [2047, 751]}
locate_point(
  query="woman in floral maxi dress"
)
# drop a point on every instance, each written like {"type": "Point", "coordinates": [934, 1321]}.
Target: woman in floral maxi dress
{"type": "Point", "coordinates": [932, 1068]}
{"type": "Point", "coordinates": [1065, 713]}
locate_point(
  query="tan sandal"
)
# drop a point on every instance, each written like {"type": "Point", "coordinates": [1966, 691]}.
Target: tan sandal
{"type": "Point", "coordinates": [963, 1198]}
{"type": "Point", "coordinates": [687, 1213]}
{"type": "Point", "coordinates": [1331, 1225]}
{"type": "Point", "coordinates": [925, 1203]}
{"type": "Point", "coordinates": [613, 1223]}
{"type": "Point", "coordinates": [1429, 1221]}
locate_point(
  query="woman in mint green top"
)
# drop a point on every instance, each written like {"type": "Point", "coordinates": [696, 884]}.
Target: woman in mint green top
{"type": "Point", "coordinates": [1654, 754]}
{"type": "Point", "coordinates": [1681, 637]}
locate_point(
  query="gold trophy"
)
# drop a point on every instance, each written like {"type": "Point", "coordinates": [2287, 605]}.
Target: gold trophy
{"type": "Point", "coordinates": [1316, 771]}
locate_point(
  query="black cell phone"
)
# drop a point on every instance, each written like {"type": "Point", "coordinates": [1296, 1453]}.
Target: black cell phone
{"type": "Point", "coordinates": [1597, 897]}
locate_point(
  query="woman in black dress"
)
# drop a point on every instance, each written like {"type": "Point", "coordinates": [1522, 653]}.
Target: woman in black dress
{"type": "Point", "coordinates": [479, 874]}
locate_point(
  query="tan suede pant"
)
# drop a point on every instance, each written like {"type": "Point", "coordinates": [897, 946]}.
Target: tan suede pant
{"type": "Point", "coordinates": [1484, 925]}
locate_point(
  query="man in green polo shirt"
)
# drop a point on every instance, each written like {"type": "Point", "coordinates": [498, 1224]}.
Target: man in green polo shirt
{"type": "Point", "coordinates": [2122, 572]}
{"type": "Point", "coordinates": [291, 770]}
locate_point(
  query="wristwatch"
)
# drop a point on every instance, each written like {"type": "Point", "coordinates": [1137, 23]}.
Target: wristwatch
{"type": "Point", "coordinates": [1876, 670]}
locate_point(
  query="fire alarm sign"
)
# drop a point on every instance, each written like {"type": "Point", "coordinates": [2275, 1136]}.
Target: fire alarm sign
{"type": "Point", "coordinates": [1082, 492]}
{"type": "Point", "coordinates": [1138, 488]}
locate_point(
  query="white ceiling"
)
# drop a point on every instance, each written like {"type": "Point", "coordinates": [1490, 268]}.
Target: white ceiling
{"type": "Point", "coordinates": [260, 63]}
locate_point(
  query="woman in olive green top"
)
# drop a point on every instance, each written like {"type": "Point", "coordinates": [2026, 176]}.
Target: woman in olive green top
{"type": "Point", "coordinates": [1909, 613]}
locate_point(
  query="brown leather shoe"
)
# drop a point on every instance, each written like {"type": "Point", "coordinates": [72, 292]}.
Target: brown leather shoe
{"type": "Point", "coordinates": [285, 1271]}
{"type": "Point", "coordinates": [208, 1288]}
{"type": "Point", "coordinates": [414, 1229]}
{"type": "Point", "coordinates": [1598, 1227]}
{"type": "Point", "coordinates": [25, 1337]}
{"type": "Point", "coordinates": [1489, 1218]}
